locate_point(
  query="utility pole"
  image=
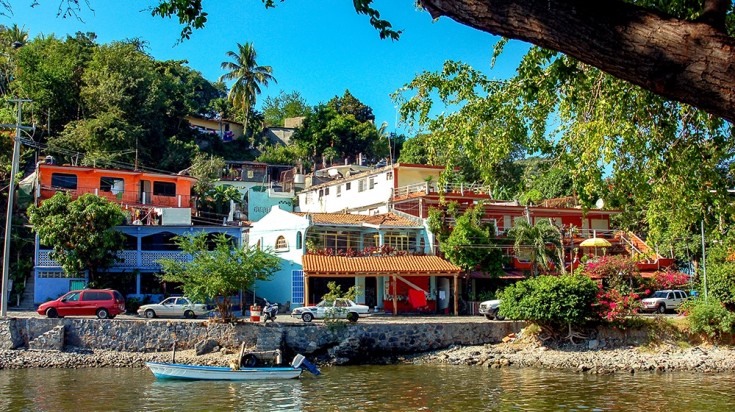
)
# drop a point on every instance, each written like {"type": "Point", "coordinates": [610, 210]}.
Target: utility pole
{"type": "Point", "coordinates": [9, 218]}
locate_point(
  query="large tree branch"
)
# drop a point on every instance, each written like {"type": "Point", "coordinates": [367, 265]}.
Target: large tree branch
{"type": "Point", "coordinates": [691, 62]}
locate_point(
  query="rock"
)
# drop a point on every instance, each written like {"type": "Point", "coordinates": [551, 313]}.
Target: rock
{"type": "Point", "coordinates": [206, 346]}
{"type": "Point", "coordinates": [593, 344]}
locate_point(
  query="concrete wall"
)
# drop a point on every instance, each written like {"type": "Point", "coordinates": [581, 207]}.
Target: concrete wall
{"type": "Point", "coordinates": [342, 342]}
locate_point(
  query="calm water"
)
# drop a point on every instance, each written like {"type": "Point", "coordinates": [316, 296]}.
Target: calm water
{"type": "Point", "coordinates": [368, 388]}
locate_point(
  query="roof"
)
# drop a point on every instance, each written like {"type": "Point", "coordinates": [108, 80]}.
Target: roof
{"type": "Point", "coordinates": [324, 266]}
{"type": "Point", "coordinates": [382, 220]}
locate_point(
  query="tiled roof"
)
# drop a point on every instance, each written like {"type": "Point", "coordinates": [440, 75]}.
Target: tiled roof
{"type": "Point", "coordinates": [385, 220]}
{"type": "Point", "coordinates": [317, 265]}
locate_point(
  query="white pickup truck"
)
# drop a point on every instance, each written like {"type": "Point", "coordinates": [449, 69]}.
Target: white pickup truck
{"type": "Point", "coordinates": [490, 308]}
{"type": "Point", "coordinates": [663, 300]}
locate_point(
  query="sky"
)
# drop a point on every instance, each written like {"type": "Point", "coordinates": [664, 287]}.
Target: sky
{"type": "Point", "coordinates": [317, 48]}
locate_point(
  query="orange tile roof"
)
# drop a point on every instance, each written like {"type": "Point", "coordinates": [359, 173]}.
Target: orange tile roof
{"type": "Point", "coordinates": [317, 265]}
{"type": "Point", "coordinates": [386, 219]}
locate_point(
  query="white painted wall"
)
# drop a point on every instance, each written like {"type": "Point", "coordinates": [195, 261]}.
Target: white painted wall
{"type": "Point", "coordinates": [362, 196]}
{"type": "Point", "coordinates": [267, 231]}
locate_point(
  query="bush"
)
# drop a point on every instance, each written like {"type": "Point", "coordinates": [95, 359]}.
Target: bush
{"type": "Point", "coordinates": [551, 301]}
{"type": "Point", "coordinates": [709, 318]}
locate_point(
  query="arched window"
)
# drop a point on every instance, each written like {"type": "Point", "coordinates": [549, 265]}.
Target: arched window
{"type": "Point", "coordinates": [298, 240]}
{"type": "Point", "coordinates": [281, 243]}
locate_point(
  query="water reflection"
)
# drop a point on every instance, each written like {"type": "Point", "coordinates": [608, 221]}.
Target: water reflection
{"type": "Point", "coordinates": [368, 388]}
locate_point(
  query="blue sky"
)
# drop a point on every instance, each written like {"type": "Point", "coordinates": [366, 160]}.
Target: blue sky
{"type": "Point", "coordinates": [316, 48]}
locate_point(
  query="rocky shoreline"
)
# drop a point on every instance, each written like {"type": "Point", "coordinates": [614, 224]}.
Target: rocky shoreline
{"type": "Point", "coordinates": [633, 359]}
{"type": "Point", "coordinates": [660, 358]}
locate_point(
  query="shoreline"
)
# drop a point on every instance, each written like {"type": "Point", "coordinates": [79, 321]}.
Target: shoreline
{"type": "Point", "coordinates": [630, 360]}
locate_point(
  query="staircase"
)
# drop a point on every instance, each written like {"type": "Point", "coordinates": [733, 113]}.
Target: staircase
{"type": "Point", "coordinates": [26, 300]}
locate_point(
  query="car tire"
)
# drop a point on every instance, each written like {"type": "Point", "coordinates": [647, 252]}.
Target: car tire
{"type": "Point", "coordinates": [497, 315]}
{"type": "Point", "coordinates": [307, 317]}
{"type": "Point", "coordinates": [352, 317]}
{"type": "Point", "coordinates": [662, 308]}
{"type": "Point", "coordinates": [150, 314]}
{"type": "Point", "coordinates": [103, 313]}
{"type": "Point", "coordinates": [189, 314]}
{"type": "Point", "coordinates": [51, 313]}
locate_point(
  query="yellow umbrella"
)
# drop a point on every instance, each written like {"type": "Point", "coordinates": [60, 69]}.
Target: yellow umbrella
{"type": "Point", "coordinates": [595, 242]}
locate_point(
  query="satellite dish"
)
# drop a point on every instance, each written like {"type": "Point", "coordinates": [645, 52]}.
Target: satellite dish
{"type": "Point", "coordinates": [600, 203]}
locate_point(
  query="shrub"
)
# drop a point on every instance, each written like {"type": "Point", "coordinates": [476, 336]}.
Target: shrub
{"type": "Point", "coordinates": [616, 307]}
{"type": "Point", "coordinates": [551, 301]}
{"type": "Point", "coordinates": [709, 318]}
{"type": "Point", "coordinates": [669, 279]}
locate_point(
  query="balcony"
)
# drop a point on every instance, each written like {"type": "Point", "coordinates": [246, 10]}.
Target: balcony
{"type": "Point", "coordinates": [131, 259]}
{"type": "Point", "coordinates": [126, 197]}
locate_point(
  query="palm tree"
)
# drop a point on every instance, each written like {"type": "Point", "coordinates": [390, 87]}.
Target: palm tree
{"type": "Point", "coordinates": [536, 239]}
{"type": "Point", "coordinates": [248, 77]}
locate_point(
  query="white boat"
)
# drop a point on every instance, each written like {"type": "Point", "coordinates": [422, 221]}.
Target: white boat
{"type": "Point", "coordinates": [163, 370]}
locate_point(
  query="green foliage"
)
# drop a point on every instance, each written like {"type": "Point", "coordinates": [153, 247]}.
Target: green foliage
{"type": "Point", "coordinates": [470, 244]}
{"type": "Point", "coordinates": [721, 271]}
{"type": "Point", "coordinates": [646, 155]}
{"type": "Point", "coordinates": [539, 242]}
{"type": "Point", "coordinates": [217, 269]}
{"type": "Point", "coordinates": [340, 129]}
{"type": "Point", "coordinates": [334, 317]}
{"type": "Point", "coordinates": [618, 272]}
{"type": "Point", "coordinates": [709, 318]}
{"type": "Point", "coordinates": [248, 77]}
{"type": "Point", "coordinates": [206, 169]}
{"type": "Point", "coordinates": [284, 106]}
{"type": "Point", "coordinates": [80, 232]}
{"type": "Point", "coordinates": [281, 155]}
{"type": "Point", "coordinates": [550, 301]}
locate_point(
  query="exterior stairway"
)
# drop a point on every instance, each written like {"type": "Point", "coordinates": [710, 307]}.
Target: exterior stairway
{"type": "Point", "coordinates": [26, 300]}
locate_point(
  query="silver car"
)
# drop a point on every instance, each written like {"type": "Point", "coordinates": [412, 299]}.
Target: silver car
{"type": "Point", "coordinates": [490, 309]}
{"type": "Point", "coordinates": [174, 307]}
{"type": "Point", "coordinates": [340, 308]}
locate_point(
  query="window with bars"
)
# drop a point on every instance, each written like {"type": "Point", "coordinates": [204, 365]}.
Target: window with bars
{"type": "Point", "coordinates": [297, 287]}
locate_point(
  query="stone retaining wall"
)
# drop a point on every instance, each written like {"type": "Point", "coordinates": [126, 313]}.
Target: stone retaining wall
{"type": "Point", "coordinates": [343, 342]}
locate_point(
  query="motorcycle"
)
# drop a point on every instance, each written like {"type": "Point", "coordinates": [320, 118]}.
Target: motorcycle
{"type": "Point", "coordinates": [270, 310]}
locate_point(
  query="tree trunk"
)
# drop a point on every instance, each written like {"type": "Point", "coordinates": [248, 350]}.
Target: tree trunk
{"type": "Point", "coordinates": [687, 61]}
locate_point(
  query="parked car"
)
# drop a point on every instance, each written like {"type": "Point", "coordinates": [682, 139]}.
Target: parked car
{"type": "Point", "coordinates": [340, 308]}
{"type": "Point", "coordinates": [663, 300]}
{"type": "Point", "coordinates": [490, 309]}
{"type": "Point", "coordinates": [104, 303]}
{"type": "Point", "coordinates": [174, 307]}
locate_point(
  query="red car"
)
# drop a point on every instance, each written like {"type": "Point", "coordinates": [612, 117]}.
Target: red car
{"type": "Point", "coordinates": [103, 303]}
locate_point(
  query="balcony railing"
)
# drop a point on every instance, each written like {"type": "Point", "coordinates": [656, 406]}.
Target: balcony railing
{"type": "Point", "coordinates": [131, 259]}
{"type": "Point", "coordinates": [435, 187]}
{"type": "Point", "coordinates": [129, 197]}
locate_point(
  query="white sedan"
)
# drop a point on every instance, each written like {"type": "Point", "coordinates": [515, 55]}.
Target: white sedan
{"type": "Point", "coordinates": [173, 307]}
{"type": "Point", "coordinates": [340, 308]}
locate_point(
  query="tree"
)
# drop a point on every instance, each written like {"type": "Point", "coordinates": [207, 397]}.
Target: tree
{"type": "Point", "coordinates": [80, 232]}
{"type": "Point", "coordinates": [552, 302]}
{"type": "Point", "coordinates": [284, 106]}
{"type": "Point", "coordinates": [539, 242]}
{"type": "Point", "coordinates": [248, 77]}
{"type": "Point", "coordinates": [217, 269]}
{"type": "Point", "coordinates": [470, 244]}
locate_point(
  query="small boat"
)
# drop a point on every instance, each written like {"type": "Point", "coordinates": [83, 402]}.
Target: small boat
{"type": "Point", "coordinates": [163, 370]}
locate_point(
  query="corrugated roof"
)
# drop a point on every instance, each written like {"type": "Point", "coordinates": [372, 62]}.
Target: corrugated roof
{"type": "Point", "coordinates": [318, 265]}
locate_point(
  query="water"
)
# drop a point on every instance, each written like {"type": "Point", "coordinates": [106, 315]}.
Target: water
{"type": "Point", "coordinates": [368, 388]}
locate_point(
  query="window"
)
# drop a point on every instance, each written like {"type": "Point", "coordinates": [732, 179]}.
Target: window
{"type": "Point", "coordinates": [326, 191]}
{"type": "Point", "coordinates": [281, 243]}
{"type": "Point", "coordinates": [159, 241]}
{"type": "Point", "coordinates": [361, 185]}
{"type": "Point", "coordinates": [339, 190]}
{"type": "Point", "coordinates": [372, 182]}
{"type": "Point", "coordinates": [64, 181]}
{"type": "Point", "coordinates": [348, 185]}
{"type": "Point", "coordinates": [389, 176]}
{"type": "Point", "coordinates": [299, 240]}
{"type": "Point", "coordinates": [321, 192]}
{"type": "Point", "coordinates": [114, 185]}
{"type": "Point", "coordinates": [164, 189]}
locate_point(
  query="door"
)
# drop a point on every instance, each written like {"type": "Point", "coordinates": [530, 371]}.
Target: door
{"type": "Point", "coordinates": [442, 300]}
{"type": "Point", "coordinates": [69, 304]}
{"type": "Point", "coordinates": [145, 192]}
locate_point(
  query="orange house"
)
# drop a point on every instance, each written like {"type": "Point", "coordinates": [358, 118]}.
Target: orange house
{"type": "Point", "coordinates": [126, 187]}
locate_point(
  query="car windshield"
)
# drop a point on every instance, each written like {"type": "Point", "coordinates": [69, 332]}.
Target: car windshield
{"type": "Point", "coordinates": [659, 294]}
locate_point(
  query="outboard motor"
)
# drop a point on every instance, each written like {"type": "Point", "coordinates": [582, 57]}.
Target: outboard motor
{"type": "Point", "coordinates": [270, 310]}
{"type": "Point", "coordinates": [299, 361]}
